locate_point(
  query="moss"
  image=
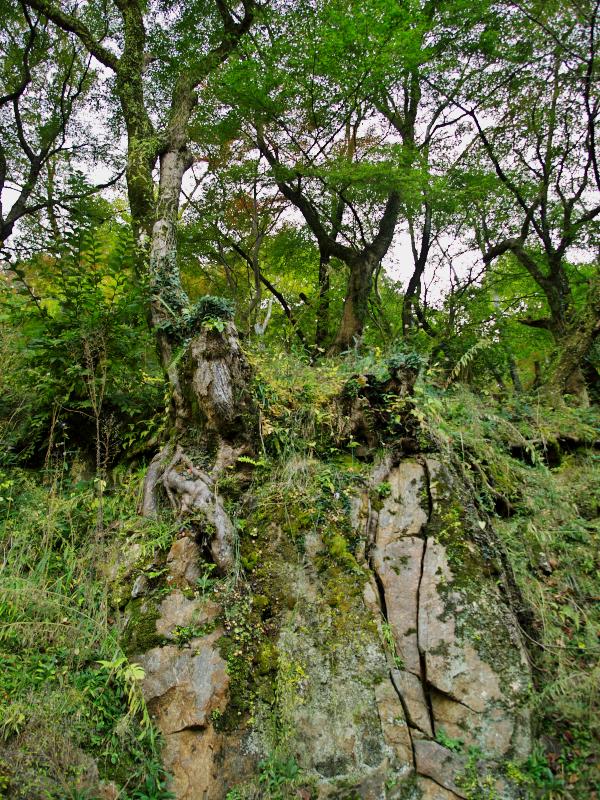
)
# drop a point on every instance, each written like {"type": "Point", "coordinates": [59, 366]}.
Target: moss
{"type": "Point", "coordinates": [140, 633]}
{"type": "Point", "coordinates": [249, 559]}
{"type": "Point", "coordinates": [376, 500]}
{"type": "Point", "coordinates": [267, 658]}
{"type": "Point", "coordinates": [261, 602]}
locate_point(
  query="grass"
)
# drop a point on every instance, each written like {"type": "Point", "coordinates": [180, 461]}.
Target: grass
{"type": "Point", "coordinates": [71, 711]}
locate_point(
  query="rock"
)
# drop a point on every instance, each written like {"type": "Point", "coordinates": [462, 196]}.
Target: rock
{"type": "Point", "coordinates": [140, 587]}
{"type": "Point", "coordinates": [453, 665]}
{"type": "Point", "coordinates": [459, 642]}
{"type": "Point", "coordinates": [122, 563]}
{"type": "Point", "coordinates": [183, 686]}
{"type": "Point", "coordinates": [183, 563]}
{"type": "Point", "coordinates": [371, 786]}
{"type": "Point", "coordinates": [128, 556]}
{"type": "Point", "coordinates": [340, 713]}
{"type": "Point", "coordinates": [393, 722]}
{"type": "Point", "coordinates": [432, 791]}
{"type": "Point", "coordinates": [189, 756]}
{"type": "Point", "coordinates": [371, 598]}
{"type": "Point", "coordinates": [176, 610]}
{"type": "Point", "coordinates": [410, 688]}
{"type": "Point", "coordinates": [403, 513]}
{"type": "Point", "coordinates": [482, 697]}
{"type": "Point", "coordinates": [397, 555]}
{"type": "Point", "coordinates": [328, 697]}
{"type": "Point", "coordinates": [440, 764]}
{"type": "Point", "coordinates": [206, 764]}
{"type": "Point", "coordinates": [398, 565]}
{"type": "Point", "coordinates": [492, 730]}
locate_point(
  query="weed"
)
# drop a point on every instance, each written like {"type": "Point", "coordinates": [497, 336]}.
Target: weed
{"type": "Point", "coordinates": [390, 642]}
{"type": "Point", "coordinates": [277, 774]}
{"type": "Point", "coordinates": [456, 745]}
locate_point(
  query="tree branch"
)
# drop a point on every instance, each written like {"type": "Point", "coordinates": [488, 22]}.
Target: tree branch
{"type": "Point", "coordinates": [71, 24]}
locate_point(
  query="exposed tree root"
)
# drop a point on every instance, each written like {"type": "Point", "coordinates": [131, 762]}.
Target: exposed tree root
{"type": "Point", "coordinates": [191, 492]}
{"type": "Point", "coordinates": [211, 398]}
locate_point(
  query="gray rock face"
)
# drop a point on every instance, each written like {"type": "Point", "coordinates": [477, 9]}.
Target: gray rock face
{"type": "Point", "coordinates": [464, 670]}
{"type": "Point", "coordinates": [398, 565]}
{"type": "Point", "coordinates": [424, 647]}
{"type": "Point", "coordinates": [338, 713]}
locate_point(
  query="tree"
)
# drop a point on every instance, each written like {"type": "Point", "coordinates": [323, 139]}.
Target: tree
{"type": "Point", "coordinates": [318, 137]}
{"type": "Point", "coordinates": [179, 70]}
{"type": "Point", "coordinates": [229, 225]}
{"type": "Point", "coordinates": [197, 346]}
{"type": "Point", "coordinates": [541, 146]}
{"type": "Point", "coordinates": [45, 80]}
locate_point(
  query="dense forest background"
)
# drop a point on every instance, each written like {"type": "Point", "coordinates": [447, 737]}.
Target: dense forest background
{"type": "Point", "coordinates": [397, 201]}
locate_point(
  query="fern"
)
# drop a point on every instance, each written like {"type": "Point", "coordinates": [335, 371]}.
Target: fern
{"type": "Point", "coordinates": [466, 359]}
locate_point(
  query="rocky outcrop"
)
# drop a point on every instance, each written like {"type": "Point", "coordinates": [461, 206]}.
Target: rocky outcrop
{"type": "Point", "coordinates": [399, 677]}
{"type": "Point", "coordinates": [462, 671]}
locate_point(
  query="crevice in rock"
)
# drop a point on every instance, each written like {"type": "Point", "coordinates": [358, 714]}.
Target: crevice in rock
{"type": "Point", "coordinates": [441, 785]}
{"type": "Point", "coordinates": [434, 690]}
{"type": "Point", "coordinates": [422, 654]}
{"type": "Point", "coordinates": [407, 717]}
{"type": "Point", "coordinates": [427, 476]}
{"type": "Point", "coordinates": [426, 691]}
{"type": "Point", "coordinates": [372, 529]}
{"type": "Point", "coordinates": [380, 591]}
{"type": "Point", "coordinates": [193, 728]}
{"type": "Point", "coordinates": [372, 526]}
{"type": "Point", "coordinates": [411, 702]}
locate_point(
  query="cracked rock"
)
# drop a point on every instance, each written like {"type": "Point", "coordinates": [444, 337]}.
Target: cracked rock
{"type": "Point", "coordinates": [410, 688]}
{"type": "Point", "coordinates": [440, 764]}
{"type": "Point", "coordinates": [184, 686]}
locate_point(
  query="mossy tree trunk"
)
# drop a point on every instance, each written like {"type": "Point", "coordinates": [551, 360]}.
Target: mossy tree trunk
{"type": "Point", "coordinates": [573, 372]}
{"type": "Point", "coordinates": [205, 366]}
{"type": "Point", "coordinates": [356, 303]}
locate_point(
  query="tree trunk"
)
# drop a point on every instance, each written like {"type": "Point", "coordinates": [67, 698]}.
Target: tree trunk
{"type": "Point", "coordinates": [212, 413]}
{"type": "Point", "coordinates": [571, 373]}
{"type": "Point", "coordinates": [212, 410]}
{"type": "Point", "coordinates": [410, 296]}
{"type": "Point", "coordinates": [322, 327]}
{"type": "Point", "coordinates": [558, 294]}
{"type": "Point", "coordinates": [169, 301]}
{"type": "Point", "coordinates": [356, 304]}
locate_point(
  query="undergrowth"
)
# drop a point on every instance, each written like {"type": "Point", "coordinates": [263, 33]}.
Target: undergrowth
{"type": "Point", "coordinates": [71, 710]}
{"type": "Point", "coordinates": [536, 471]}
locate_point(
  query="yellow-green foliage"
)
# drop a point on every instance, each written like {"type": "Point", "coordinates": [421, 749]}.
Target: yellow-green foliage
{"type": "Point", "coordinates": [297, 400]}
